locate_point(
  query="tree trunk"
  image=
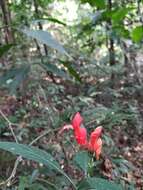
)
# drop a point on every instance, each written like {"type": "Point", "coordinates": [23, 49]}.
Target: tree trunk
{"type": "Point", "coordinates": [40, 27]}
{"type": "Point", "coordinates": [6, 21]}
{"type": "Point", "coordinates": [111, 41]}
{"type": "Point", "coordinates": [111, 49]}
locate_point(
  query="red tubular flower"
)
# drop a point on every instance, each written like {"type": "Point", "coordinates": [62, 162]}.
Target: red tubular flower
{"type": "Point", "coordinates": [79, 132]}
{"type": "Point", "coordinates": [95, 135]}
{"type": "Point", "coordinates": [76, 122]}
{"type": "Point", "coordinates": [95, 143]}
{"type": "Point", "coordinates": [81, 136]}
{"type": "Point", "coordinates": [98, 148]}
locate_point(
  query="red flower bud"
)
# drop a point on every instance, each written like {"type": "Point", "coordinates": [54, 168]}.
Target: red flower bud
{"type": "Point", "coordinates": [76, 122]}
{"type": "Point", "coordinates": [98, 148]}
{"type": "Point", "coordinates": [81, 136]}
{"type": "Point", "coordinates": [95, 135]}
{"type": "Point", "coordinates": [79, 132]}
{"type": "Point", "coordinates": [95, 143]}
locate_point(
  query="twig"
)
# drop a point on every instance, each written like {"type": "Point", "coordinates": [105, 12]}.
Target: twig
{"type": "Point", "coordinates": [90, 122]}
{"type": "Point", "coordinates": [15, 138]}
{"type": "Point", "coordinates": [40, 136]}
{"type": "Point", "coordinates": [19, 159]}
{"type": "Point", "coordinates": [47, 182]}
{"type": "Point", "coordinates": [9, 125]}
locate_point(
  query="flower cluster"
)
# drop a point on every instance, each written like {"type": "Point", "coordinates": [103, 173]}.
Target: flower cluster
{"type": "Point", "coordinates": [94, 144]}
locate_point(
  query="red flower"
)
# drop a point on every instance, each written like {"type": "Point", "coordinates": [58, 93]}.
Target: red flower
{"type": "Point", "coordinates": [98, 148]}
{"type": "Point", "coordinates": [80, 133]}
{"type": "Point", "coordinates": [76, 122]}
{"type": "Point", "coordinates": [95, 143]}
{"type": "Point", "coordinates": [81, 136]}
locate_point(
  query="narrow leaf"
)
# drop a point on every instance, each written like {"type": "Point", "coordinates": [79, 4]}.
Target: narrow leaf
{"type": "Point", "coordinates": [45, 38]}
{"type": "Point", "coordinates": [98, 184]}
{"type": "Point", "coordinates": [23, 184]}
{"type": "Point", "coordinates": [71, 70]}
{"type": "Point", "coordinates": [56, 21]}
{"type": "Point", "coordinates": [51, 19]}
{"type": "Point", "coordinates": [35, 154]}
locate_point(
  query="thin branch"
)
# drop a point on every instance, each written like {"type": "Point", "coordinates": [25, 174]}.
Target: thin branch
{"type": "Point", "coordinates": [15, 138]}
{"type": "Point", "coordinates": [40, 136]}
{"type": "Point", "coordinates": [9, 125]}
{"type": "Point", "coordinates": [12, 175]}
{"type": "Point", "coordinates": [47, 182]}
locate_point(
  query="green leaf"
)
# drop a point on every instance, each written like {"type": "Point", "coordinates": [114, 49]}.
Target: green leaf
{"type": "Point", "coordinates": [45, 38]}
{"type": "Point", "coordinates": [71, 70]}
{"type": "Point", "coordinates": [98, 184]}
{"type": "Point", "coordinates": [82, 159]}
{"type": "Point", "coordinates": [51, 19]}
{"type": "Point", "coordinates": [119, 14]}
{"type": "Point", "coordinates": [120, 31]}
{"type": "Point", "coordinates": [56, 21]}
{"type": "Point", "coordinates": [23, 183]}
{"type": "Point", "coordinates": [137, 34]}
{"type": "Point", "coordinates": [98, 3]}
{"type": "Point", "coordinates": [33, 176]}
{"type": "Point", "coordinates": [4, 49]}
{"type": "Point", "coordinates": [35, 154]}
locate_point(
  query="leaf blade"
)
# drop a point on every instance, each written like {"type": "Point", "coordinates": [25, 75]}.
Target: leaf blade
{"type": "Point", "coordinates": [82, 159]}
{"type": "Point", "coordinates": [137, 34]}
{"type": "Point", "coordinates": [35, 154]}
{"type": "Point", "coordinates": [71, 70]}
{"type": "Point", "coordinates": [45, 38]}
{"type": "Point", "coordinates": [98, 184]}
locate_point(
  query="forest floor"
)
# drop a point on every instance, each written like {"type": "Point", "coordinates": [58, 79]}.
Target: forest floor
{"type": "Point", "coordinates": [131, 148]}
{"type": "Point", "coordinates": [128, 142]}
